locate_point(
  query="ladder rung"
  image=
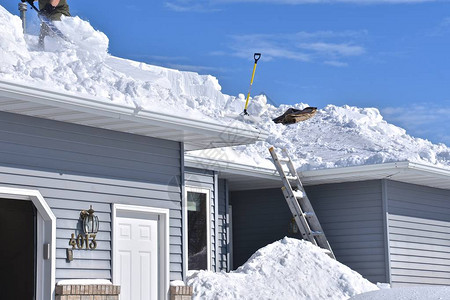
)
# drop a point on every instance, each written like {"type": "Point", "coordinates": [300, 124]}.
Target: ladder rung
{"type": "Point", "coordinates": [298, 194]}
{"type": "Point", "coordinates": [308, 214]}
{"type": "Point", "coordinates": [326, 251]}
{"type": "Point", "coordinates": [291, 177]}
{"type": "Point", "coordinates": [284, 160]}
{"type": "Point", "coordinates": [316, 233]}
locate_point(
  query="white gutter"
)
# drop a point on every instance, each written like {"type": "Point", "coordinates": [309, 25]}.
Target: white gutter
{"type": "Point", "coordinates": [394, 170]}
{"type": "Point", "coordinates": [104, 107]}
{"type": "Point", "coordinates": [429, 169]}
{"type": "Point", "coordinates": [230, 167]}
{"type": "Point", "coordinates": [268, 173]}
{"type": "Point", "coordinates": [388, 169]}
{"type": "Point", "coordinates": [385, 170]}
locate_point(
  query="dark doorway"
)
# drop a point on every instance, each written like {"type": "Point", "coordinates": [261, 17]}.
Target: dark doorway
{"type": "Point", "coordinates": [17, 250]}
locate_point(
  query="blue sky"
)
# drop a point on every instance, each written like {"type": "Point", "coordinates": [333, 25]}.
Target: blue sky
{"type": "Point", "coordinates": [389, 54]}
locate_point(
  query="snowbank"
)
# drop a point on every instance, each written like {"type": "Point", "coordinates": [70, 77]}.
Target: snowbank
{"type": "Point", "coordinates": [335, 137]}
{"type": "Point", "coordinates": [12, 46]}
{"type": "Point", "coordinates": [408, 293]}
{"type": "Point", "coordinates": [85, 67]}
{"type": "Point", "coordinates": [287, 269]}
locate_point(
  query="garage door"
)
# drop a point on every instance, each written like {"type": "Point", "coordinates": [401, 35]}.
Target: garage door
{"type": "Point", "coordinates": [136, 251]}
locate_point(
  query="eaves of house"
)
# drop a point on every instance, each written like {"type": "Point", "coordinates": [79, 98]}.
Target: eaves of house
{"type": "Point", "coordinates": [248, 177]}
{"type": "Point", "coordinates": [102, 113]}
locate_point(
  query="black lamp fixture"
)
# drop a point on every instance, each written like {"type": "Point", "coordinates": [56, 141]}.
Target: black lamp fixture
{"type": "Point", "coordinates": [90, 221]}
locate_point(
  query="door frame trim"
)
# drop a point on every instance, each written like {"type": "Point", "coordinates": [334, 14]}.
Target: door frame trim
{"type": "Point", "coordinates": [46, 234]}
{"type": "Point", "coordinates": [163, 240]}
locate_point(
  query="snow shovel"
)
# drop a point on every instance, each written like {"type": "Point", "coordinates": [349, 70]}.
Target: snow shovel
{"type": "Point", "coordinates": [44, 19]}
{"type": "Point", "coordinates": [292, 115]}
{"type": "Point", "coordinates": [256, 56]}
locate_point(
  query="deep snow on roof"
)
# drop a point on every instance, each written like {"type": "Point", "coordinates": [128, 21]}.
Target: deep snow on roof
{"type": "Point", "coordinates": [335, 137]}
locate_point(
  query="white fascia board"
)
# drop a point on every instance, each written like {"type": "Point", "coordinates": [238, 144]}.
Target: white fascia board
{"type": "Point", "coordinates": [395, 171]}
{"type": "Point", "coordinates": [100, 107]}
{"type": "Point", "coordinates": [310, 176]}
{"type": "Point", "coordinates": [229, 167]}
{"type": "Point", "coordinates": [378, 171]}
{"type": "Point", "coordinates": [429, 169]}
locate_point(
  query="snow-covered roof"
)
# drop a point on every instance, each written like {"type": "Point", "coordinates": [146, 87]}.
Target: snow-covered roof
{"type": "Point", "coordinates": [80, 82]}
{"type": "Point", "coordinates": [338, 144]}
{"type": "Point", "coordinates": [91, 111]}
{"type": "Point", "coordinates": [246, 177]}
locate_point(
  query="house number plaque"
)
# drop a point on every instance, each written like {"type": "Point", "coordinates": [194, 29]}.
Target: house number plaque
{"type": "Point", "coordinates": [86, 241]}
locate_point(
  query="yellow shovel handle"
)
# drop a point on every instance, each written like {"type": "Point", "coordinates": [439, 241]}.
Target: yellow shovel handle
{"type": "Point", "coordinates": [256, 56]}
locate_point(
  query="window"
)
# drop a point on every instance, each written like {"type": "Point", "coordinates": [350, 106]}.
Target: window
{"type": "Point", "coordinates": [198, 229]}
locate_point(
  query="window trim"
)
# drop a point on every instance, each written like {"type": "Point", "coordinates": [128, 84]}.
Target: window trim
{"type": "Point", "coordinates": [206, 191]}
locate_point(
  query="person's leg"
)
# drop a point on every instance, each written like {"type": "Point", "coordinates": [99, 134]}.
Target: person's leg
{"type": "Point", "coordinates": [45, 31]}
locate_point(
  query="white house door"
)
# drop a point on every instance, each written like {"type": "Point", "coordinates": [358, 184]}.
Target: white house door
{"type": "Point", "coordinates": [136, 252]}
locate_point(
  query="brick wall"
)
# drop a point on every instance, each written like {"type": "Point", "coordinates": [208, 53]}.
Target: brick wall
{"type": "Point", "coordinates": [180, 293]}
{"type": "Point", "coordinates": [87, 292]}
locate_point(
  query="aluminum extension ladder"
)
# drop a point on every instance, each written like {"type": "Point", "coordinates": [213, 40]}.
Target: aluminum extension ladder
{"type": "Point", "coordinates": [299, 204]}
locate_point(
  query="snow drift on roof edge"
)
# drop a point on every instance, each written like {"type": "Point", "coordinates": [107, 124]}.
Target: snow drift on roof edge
{"type": "Point", "coordinates": [85, 67]}
{"type": "Point", "coordinates": [286, 269]}
{"type": "Point", "coordinates": [335, 137]}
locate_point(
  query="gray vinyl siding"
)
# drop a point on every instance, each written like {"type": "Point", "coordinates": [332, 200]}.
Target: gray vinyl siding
{"type": "Point", "coordinates": [75, 166]}
{"type": "Point", "coordinates": [222, 233]}
{"type": "Point", "coordinates": [205, 179]}
{"type": "Point", "coordinates": [351, 214]}
{"type": "Point", "coordinates": [419, 234]}
{"type": "Point", "coordinates": [260, 217]}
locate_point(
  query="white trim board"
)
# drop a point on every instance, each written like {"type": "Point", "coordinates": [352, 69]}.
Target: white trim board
{"type": "Point", "coordinates": [246, 177]}
{"type": "Point", "coordinates": [102, 113]}
{"type": "Point", "coordinates": [46, 235]}
{"type": "Point", "coordinates": [208, 222]}
{"type": "Point", "coordinates": [164, 246]}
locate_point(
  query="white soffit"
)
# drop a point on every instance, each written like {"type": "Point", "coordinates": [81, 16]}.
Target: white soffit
{"type": "Point", "coordinates": [243, 177]}
{"type": "Point", "coordinates": [96, 112]}
{"type": "Point", "coordinates": [409, 172]}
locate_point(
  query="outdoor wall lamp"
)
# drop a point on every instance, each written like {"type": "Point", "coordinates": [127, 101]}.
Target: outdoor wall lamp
{"type": "Point", "coordinates": [86, 241]}
{"type": "Point", "coordinates": [90, 221]}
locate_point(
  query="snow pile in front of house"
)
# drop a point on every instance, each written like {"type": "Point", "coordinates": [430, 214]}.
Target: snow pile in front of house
{"type": "Point", "coordinates": [286, 269]}
{"type": "Point", "coordinates": [335, 137]}
{"type": "Point", "coordinates": [430, 292]}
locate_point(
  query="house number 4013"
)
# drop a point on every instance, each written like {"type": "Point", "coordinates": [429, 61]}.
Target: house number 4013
{"type": "Point", "coordinates": [86, 241]}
